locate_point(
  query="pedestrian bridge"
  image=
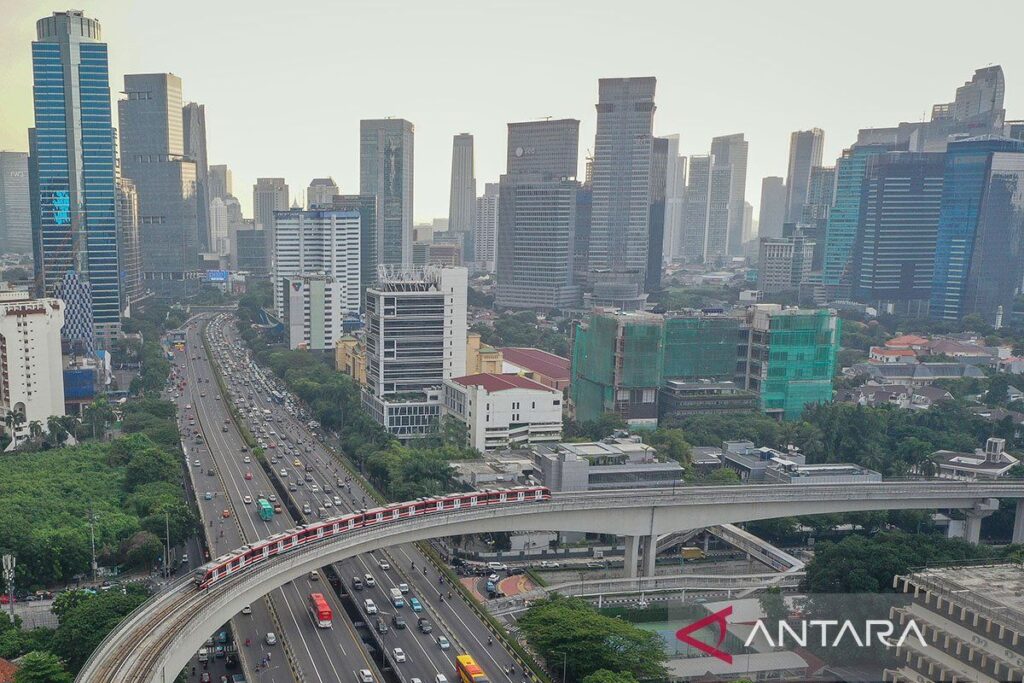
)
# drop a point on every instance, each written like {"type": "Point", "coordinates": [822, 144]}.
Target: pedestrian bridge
{"type": "Point", "coordinates": [156, 641]}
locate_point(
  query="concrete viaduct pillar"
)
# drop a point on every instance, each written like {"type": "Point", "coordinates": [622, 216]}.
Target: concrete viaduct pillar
{"type": "Point", "coordinates": [631, 557]}
{"type": "Point", "coordinates": [1018, 523]}
{"type": "Point", "coordinates": [981, 510]}
{"type": "Point", "coordinates": [650, 553]}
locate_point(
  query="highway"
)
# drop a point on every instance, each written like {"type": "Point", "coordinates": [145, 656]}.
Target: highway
{"type": "Point", "coordinates": [322, 655]}
{"type": "Point", "coordinates": [450, 618]}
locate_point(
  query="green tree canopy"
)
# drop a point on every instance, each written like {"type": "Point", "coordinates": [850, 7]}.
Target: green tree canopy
{"type": "Point", "coordinates": [41, 667]}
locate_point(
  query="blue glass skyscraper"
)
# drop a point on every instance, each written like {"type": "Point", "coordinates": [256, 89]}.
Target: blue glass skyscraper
{"type": "Point", "coordinates": [72, 173]}
{"type": "Point", "coordinates": [980, 245]}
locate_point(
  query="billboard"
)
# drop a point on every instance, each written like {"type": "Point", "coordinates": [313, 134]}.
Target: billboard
{"type": "Point", "coordinates": [216, 276]}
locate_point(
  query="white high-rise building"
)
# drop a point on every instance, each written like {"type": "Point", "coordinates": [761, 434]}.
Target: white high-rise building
{"type": "Point", "coordinates": [268, 195]}
{"type": "Point", "coordinates": [415, 340]}
{"type": "Point", "coordinates": [32, 381]}
{"type": "Point", "coordinates": [485, 229]}
{"type": "Point", "coordinates": [220, 227]}
{"type": "Point", "coordinates": [675, 192]}
{"type": "Point", "coordinates": [463, 191]}
{"type": "Point", "coordinates": [316, 253]}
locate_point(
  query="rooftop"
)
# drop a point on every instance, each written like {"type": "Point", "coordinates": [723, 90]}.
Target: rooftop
{"type": "Point", "coordinates": [493, 382]}
{"type": "Point", "coordinates": [906, 340]}
{"type": "Point", "coordinates": [1000, 585]}
{"type": "Point", "coordinates": [542, 362]}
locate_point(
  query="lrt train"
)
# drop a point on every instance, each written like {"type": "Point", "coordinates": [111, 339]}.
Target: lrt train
{"type": "Point", "coordinates": [248, 556]}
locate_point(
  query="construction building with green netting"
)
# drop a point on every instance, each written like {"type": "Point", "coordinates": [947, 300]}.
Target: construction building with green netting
{"type": "Point", "coordinates": [789, 358]}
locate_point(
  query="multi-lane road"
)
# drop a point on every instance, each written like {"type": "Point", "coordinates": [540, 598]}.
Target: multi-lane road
{"type": "Point", "coordinates": [335, 654]}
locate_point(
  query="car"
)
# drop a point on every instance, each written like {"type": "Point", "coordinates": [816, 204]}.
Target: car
{"type": "Point", "coordinates": [208, 495]}
{"type": "Point", "coordinates": [248, 476]}
{"type": "Point", "coordinates": [226, 513]}
{"type": "Point", "coordinates": [283, 473]}
{"type": "Point", "coordinates": [404, 588]}
{"type": "Point", "coordinates": [300, 482]}
{"type": "Point", "coordinates": [196, 463]}
{"type": "Point", "coordinates": [272, 498]}
{"type": "Point", "coordinates": [313, 487]}
{"type": "Point", "coordinates": [292, 487]}
{"type": "Point", "coordinates": [370, 581]}
{"type": "Point", "coordinates": [247, 500]}
{"type": "Point", "coordinates": [296, 463]}
{"type": "Point", "coordinates": [497, 566]}
{"type": "Point", "coordinates": [399, 654]}
{"type": "Point", "coordinates": [328, 503]}
{"type": "Point", "coordinates": [415, 680]}
{"type": "Point", "coordinates": [314, 575]}
{"type": "Point", "coordinates": [188, 406]}
{"type": "Point", "coordinates": [365, 676]}
{"type": "Point", "coordinates": [493, 578]}
{"type": "Point", "coordinates": [247, 460]}
{"type": "Point", "coordinates": [416, 605]}
{"type": "Point", "coordinates": [440, 678]}
{"type": "Point", "coordinates": [443, 643]}
{"type": "Point", "coordinates": [357, 583]}
{"type": "Point", "coordinates": [247, 609]}
{"type": "Point", "coordinates": [210, 472]}
{"type": "Point", "coordinates": [547, 564]}
{"type": "Point", "coordinates": [205, 677]}
{"type": "Point", "coordinates": [306, 509]}
{"type": "Point", "coordinates": [271, 638]}
{"type": "Point", "coordinates": [398, 622]}
{"type": "Point", "coordinates": [370, 606]}
{"type": "Point", "coordinates": [384, 565]}
{"type": "Point", "coordinates": [594, 564]}
{"type": "Point", "coordinates": [337, 500]}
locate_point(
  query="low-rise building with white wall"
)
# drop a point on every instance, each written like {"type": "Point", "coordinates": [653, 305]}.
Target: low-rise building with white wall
{"type": "Point", "coordinates": [504, 410]}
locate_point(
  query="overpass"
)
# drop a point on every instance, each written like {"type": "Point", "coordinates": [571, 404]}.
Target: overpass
{"type": "Point", "coordinates": [156, 641]}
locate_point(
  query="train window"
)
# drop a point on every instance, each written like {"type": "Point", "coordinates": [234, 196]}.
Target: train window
{"type": "Point", "coordinates": [380, 517]}
{"type": "Point", "coordinates": [457, 503]}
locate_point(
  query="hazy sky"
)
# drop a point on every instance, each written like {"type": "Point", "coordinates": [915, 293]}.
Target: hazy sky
{"type": "Point", "coordinates": [285, 83]}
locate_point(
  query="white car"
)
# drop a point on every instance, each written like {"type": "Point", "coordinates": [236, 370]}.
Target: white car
{"type": "Point", "coordinates": [545, 564]}
{"type": "Point", "coordinates": [370, 605]}
{"type": "Point", "coordinates": [247, 500]}
{"type": "Point", "coordinates": [497, 566]}
{"type": "Point", "coordinates": [196, 463]}
{"type": "Point", "coordinates": [384, 565]}
{"type": "Point", "coordinates": [247, 609]}
{"type": "Point", "coordinates": [247, 460]}
{"type": "Point", "coordinates": [328, 503]}
{"type": "Point", "coordinates": [271, 639]}
{"type": "Point", "coordinates": [443, 643]}
{"type": "Point", "coordinates": [283, 473]}
{"type": "Point", "coordinates": [365, 676]}
{"type": "Point", "coordinates": [399, 654]}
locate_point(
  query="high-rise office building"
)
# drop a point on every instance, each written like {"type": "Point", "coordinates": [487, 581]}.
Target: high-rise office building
{"type": "Point", "coordinates": [537, 216]}
{"type": "Point", "coordinates": [841, 229]}
{"type": "Point", "coordinates": [980, 244]}
{"type": "Point", "coordinates": [220, 181]}
{"type": "Point", "coordinates": [386, 170]}
{"type": "Point", "coordinates": [316, 274]}
{"type": "Point", "coordinates": [194, 139]}
{"type": "Point", "coordinates": [462, 200]}
{"type": "Point", "coordinates": [415, 340]}
{"type": "Point", "coordinates": [128, 242]}
{"type": "Point", "coordinates": [696, 208]}
{"type": "Point", "coordinates": [720, 213]}
{"type": "Point", "coordinates": [268, 195]}
{"type": "Point", "coordinates": [805, 148]}
{"type": "Point", "coordinates": [894, 252]}
{"type": "Point", "coordinates": [15, 214]}
{"type": "Point", "coordinates": [153, 157]}
{"type": "Point", "coordinates": [366, 205]}
{"type": "Point", "coordinates": [773, 207]}
{"type": "Point", "coordinates": [783, 263]}
{"type": "Point", "coordinates": [675, 192]}
{"type": "Point", "coordinates": [620, 218]}
{"type": "Point", "coordinates": [485, 228]}
{"type": "Point", "coordinates": [656, 222]}
{"type": "Point", "coordinates": [320, 193]}
{"type": "Point", "coordinates": [730, 152]}
{"type": "Point", "coordinates": [72, 174]}
{"type": "Point", "coordinates": [220, 227]}
{"type": "Point", "coordinates": [820, 194]}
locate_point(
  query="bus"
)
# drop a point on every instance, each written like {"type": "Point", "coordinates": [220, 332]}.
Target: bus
{"type": "Point", "coordinates": [266, 510]}
{"type": "Point", "coordinates": [277, 397]}
{"type": "Point", "coordinates": [396, 598]}
{"type": "Point", "coordinates": [468, 670]}
{"type": "Point", "coordinates": [320, 611]}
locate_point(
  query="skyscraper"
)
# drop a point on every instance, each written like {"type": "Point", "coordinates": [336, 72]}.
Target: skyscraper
{"type": "Point", "coordinates": [220, 181]}
{"type": "Point", "coordinates": [194, 139]}
{"type": "Point", "coordinates": [128, 247]}
{"type": "Point", "coordinates": [537, 216]}
{"type": "Point", "coordinates": [386, 170]}
{"type": "Point", "coordinates": [485, 228]}
{"type": "Point", "coordinates": [153, 157]}
{"type": "Point", "coordinates": [71, 174]}
{"type": "Point", "coordinates": [716, 238]}
{"type": "Point", "coordinates": [805, 148]}
{"type": "Point", "coordinates": [980, 245]}
{"type": "Point", "coordinates": [820, 194]}
{"type": "Point", "coordinates": [462, 201]}
{"type": "Point", "coordinates": [656, 222]}
{"type": "Point", "coordinates": [268, 195]}
{"type": "Point", "coordinates": [366, 205]}
{"type": "Point", "coordinates": [15, 214]}
{"type": "Point", "coordinates": [620, 219]}
{"type": "Point", "coordinates": [675, 192]}
{"type": "Point", "coordinates": [696, 208]}
{"type": "Point", "coordinates": [773, 207]}
{"type": "Point", "coordinates": [320, 193]}
{"type": "Point", "coordinates": [220, 226]}
{"type": "Point", "coordinates": [894, 252]}
{"type": "Point", "coordinates": [730, 152]}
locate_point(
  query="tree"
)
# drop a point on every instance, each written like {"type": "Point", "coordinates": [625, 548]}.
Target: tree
{"type": "Point", "coordinates": [55, 428]}
{"type": "Point", "coordinates": [570, 628]}
{"type": "Point", "coordinates": [723, 475]}
{"type": "Point", "coordinates": [997, 387]}
{"type": "Point", "coordinates": [41, 667]}
{"type": "Point", "coordinates": [773, 605]}
{"type": "Point", "coordinates": [35, 429]}
{"type": "Point", "coordinates": [83, 627]}
{"type": "Point", "coordinates": [606, 676]}
{"type": "Point", "coordinates": [671, 444]}
{"type": "Point", "coordinates": [98, 415]}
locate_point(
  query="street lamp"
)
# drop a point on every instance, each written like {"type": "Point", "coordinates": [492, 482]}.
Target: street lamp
{"type": "Point", "coordinates": [9, 561]}
{"type": "Point", "coordinates": [564, 659]}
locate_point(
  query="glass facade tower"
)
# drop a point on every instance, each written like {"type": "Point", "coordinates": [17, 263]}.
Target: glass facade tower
{"type": "Point", "coordinates": [72, 172]}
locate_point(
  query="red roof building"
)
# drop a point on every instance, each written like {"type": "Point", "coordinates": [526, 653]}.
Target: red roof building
{"type": "Point", "coordinates": [908, 341]}
{"type": "Point", "coordinates": [547, 368]}
{"type": "Point", "coordinates": [504, 411]}
{"type": "Point", "coordinates": [7, 671]}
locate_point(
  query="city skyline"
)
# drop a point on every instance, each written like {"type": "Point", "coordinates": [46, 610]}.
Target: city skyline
{"type": "Point", "coordinates": [698, 104]}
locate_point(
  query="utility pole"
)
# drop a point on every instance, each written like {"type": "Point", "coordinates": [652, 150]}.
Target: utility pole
{"type": "Point", "coordinates": [9, 562]}
{"type": "Point", "coordinates": [92, 540]}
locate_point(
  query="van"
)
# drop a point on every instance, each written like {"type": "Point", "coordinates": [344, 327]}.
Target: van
{"type": "Point", "coordinates": [204, 655]}
{"type": "Point", "coordinates": [396, 598]}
